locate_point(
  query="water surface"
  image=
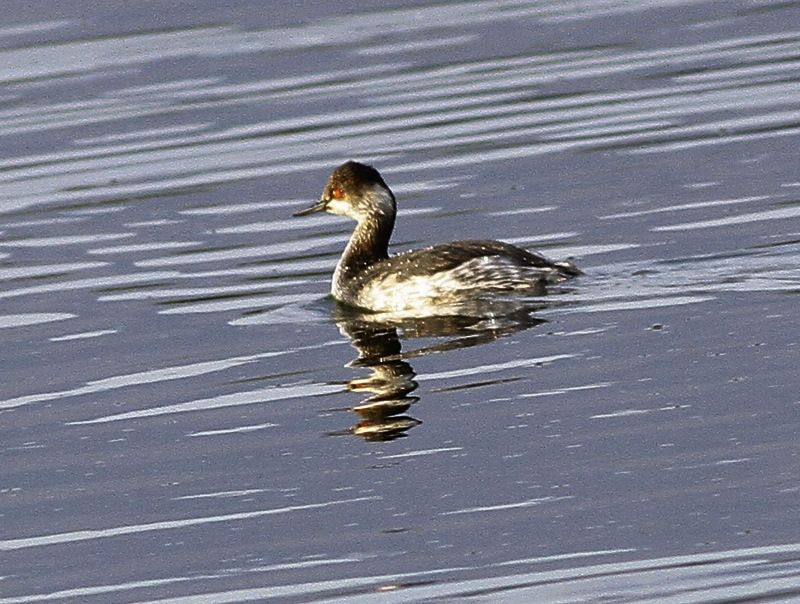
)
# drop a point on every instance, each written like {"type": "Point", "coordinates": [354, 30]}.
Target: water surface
{"type": "Point", "coordinates": [184, 412]}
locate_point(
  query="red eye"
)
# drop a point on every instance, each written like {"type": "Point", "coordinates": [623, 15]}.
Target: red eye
{"type": "Point", "coordinates": [337, 193]}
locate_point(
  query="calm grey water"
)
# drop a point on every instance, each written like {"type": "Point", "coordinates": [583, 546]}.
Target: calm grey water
{"type": "Point", "coordinates": [177, 399]}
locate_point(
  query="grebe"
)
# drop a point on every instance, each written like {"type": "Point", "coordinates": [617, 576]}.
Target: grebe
{"type": "Point", "coordinates": [367, 277]}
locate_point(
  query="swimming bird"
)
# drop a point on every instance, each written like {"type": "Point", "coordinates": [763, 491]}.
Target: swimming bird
{"type": "Point", "coordinates": [417, 281]}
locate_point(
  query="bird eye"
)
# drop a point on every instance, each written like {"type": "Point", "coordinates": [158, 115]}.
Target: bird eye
{"type": "Point", "coordinates": [337, 193]}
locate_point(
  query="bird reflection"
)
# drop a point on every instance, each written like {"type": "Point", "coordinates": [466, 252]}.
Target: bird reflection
{"type": "Point", "coordinates": [389, 385]}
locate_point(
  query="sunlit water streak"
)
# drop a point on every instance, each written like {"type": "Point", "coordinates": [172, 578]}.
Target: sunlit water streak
{"type": "Point", "coordinates": [139, 378]}
{"type": "Point", "coordinates": [655, 113]}
{"type": "Point", "coordinates": [31, 319]}
{"type": "Point", "coordinates": [83, 335]}
{"type": "Point", "coordinates": [42, 540]}
{"type": "Point", "coordinates": [262, 395]}
{"type": "Point", "coordinates": [744, 573]}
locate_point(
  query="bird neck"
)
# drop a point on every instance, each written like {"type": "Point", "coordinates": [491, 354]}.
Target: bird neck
{"type": "Point", "coordinates": [369, 242]}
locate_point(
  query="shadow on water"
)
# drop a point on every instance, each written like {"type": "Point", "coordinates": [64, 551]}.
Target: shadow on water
{"type": "Point", "coordinates": [391, 379]}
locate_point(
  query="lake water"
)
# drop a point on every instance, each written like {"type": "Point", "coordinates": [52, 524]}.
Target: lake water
{"type": "Point", "coordinates": [185, 416]}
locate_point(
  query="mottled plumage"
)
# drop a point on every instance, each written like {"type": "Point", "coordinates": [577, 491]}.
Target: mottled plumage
{"type": "Point", "coordinates": [367, 277]}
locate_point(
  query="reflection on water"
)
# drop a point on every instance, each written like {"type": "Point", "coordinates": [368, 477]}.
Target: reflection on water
{"type": "Point", "coordinates": [388, 385]}
{"type": "Point", "coordinates": [391, 379]}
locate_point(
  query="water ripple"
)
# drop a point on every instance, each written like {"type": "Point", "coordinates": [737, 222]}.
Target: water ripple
{"type": "Point", "coordinates": [262, 395]}
{"type": "Point", "coordinates": [177, 372]}
{"type": "Point", "coordinates": [74, 536]}
{"type": "Point", "coordinates": [21, 320]}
